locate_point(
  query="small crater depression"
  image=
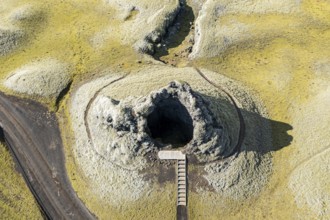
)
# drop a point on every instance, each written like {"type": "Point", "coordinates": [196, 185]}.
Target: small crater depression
{"type": "Point", "coordinates": [132, 14]}
{"type": "Point", "coordinates": [171, 123]}
{"type": "Point", "coordinates": [226, 136]}
{"type": "Point", "coordinates": [172, 117]}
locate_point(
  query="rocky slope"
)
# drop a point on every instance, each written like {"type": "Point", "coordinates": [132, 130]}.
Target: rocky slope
{"type": "Point", "coordinates": [270, 56]}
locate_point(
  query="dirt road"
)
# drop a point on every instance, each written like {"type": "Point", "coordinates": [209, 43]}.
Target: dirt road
{"type": "Point", "coordinates": [33, 137]}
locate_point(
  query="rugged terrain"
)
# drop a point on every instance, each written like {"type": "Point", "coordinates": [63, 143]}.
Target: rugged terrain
{"type": "Point", "coordinates": [261, 68]}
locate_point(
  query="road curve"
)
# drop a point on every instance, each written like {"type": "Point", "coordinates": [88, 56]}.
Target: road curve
{"type": "Point", "coordinates": [33, 137]}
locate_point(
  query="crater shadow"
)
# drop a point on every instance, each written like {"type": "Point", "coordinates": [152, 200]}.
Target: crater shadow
{"type": "Point", "coordinates": [178, 31]}
{"type": "Point", "coordinates": [280, 136]}
{"type": "Point", "coordinates": [170, 123]}
{"type": "Point", "coordinates": [2, 136]}
{"type": "Point", "coordinates": [260, 134]}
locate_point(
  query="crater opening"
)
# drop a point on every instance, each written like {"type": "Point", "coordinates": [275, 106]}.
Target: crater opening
{"type": "Point", "coordinates": [171, 123]}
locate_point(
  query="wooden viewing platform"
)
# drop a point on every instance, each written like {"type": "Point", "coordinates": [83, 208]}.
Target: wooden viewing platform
{"type": "Point", "coordinates": [181, 180]}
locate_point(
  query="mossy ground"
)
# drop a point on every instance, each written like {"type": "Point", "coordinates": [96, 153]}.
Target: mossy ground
{"type": "Point", "coordinates": [16, 201]}
{"type": "Point", "coordinates": [280, 70]}
{"type": "Point", "coordinates": [62, 31]}
{"type": "Point", "coordinates": [277, 67]}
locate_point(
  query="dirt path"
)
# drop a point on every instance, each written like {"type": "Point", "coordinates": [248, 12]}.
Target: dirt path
{"type": "Point", "coordinates": [241, 133]}
{"type": "Point", "coordinates": [90, 104]}
{"type": "Point", "coordinates": [33, 137]}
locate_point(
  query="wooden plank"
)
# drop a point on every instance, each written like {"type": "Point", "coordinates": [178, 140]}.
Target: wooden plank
{"type": "Point", "coordinates": [171, 155]}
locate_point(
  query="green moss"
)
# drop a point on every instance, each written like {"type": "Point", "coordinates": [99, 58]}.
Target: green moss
{"type": "Point", "coordinates": [63, 31]}
{"type": "Point", "coordinates": [16, 200]}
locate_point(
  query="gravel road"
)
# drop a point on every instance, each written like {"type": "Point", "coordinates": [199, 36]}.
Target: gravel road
{"type": "Point", "coordinates": [33, 137]}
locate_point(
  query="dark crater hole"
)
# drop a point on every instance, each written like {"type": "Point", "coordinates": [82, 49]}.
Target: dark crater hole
{"type": "Point", "coordinates": [170, 123]}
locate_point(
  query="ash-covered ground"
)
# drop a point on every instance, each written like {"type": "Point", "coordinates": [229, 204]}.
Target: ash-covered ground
{"type": "Point", "coordinates": [120, 134]}
{"type": "Point", "coordinates": [275, 48]}
{"type": "Point", "coordinates": [172, 117]}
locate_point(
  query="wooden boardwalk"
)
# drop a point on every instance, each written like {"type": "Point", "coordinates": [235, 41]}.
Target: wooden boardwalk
{"type": "Point", "coordinates": [181, 180]}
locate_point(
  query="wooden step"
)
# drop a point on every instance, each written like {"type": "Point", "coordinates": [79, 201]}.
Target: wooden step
{"type": "Point", "coordinates": [182, 199]}
{"type": "Point", "coordinates": [181, 182]}
{"type": "Point", "coordinates": [182, 191]}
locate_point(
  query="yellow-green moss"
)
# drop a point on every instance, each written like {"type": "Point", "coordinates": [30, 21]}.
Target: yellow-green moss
{"type": "Point", "coordinates": [16, 200]}
{"type": "Point", "coordinates": [289, 50]}
{"type": "Point", "coordinates": [279, 68]}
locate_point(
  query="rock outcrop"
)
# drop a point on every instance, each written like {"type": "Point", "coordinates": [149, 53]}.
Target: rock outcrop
{"type": "Point", "coordinates": [120, 124]}
{"type": "Point", "coordinates": [216, 29]}
{"type": "Point", "coordinates": [143, 23]}
{"type": "Point", "coordinates": [9, 40]}
{"type": "Point", "coordinates": [174, 116]}
{"type": "Point", "coordinates": [44, 78]}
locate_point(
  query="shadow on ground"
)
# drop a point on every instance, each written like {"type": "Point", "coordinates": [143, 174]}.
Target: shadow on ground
{"type": "Point", "coordinates": [178, 31]}
{"type": "Point", "coordinates": [2, 136]}
{"type": "Point", "coordinates": [260, 134]}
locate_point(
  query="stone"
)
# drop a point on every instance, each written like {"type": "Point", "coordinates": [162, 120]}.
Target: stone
{"type": "Point", "coordinates": [44, 78]}
{"type": "Point", "coordinates": [121, 123]}
{"type": "Point", "coordinates": [143, 23]}
{"type": "Point", "coordinates": [216, 30]}
{"type": "Point", "coordinates": [14, 26]}
{"type": "Point", "coordinates": [9, 40]}
{"type": "Point", "coordinates": [173, 116]}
